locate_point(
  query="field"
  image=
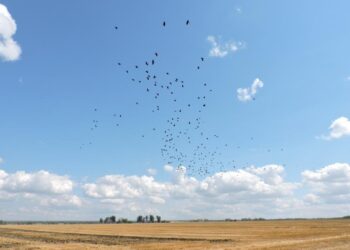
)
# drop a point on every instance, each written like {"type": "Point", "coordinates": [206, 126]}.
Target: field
{"type": "Point", "coordinates": [283, 234]}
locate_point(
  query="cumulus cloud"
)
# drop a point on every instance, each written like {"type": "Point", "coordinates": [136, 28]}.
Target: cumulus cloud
{"type": "Point", "coordinates": [40, 187]}
{"type": "Point", "coordinates": [249, 192]}
{"type": "Point", "coordinates": [152, 171]}
{"type": "Point", "coordinates": [168, 168]}
{"type": "Point", "coordinates": [222, 50]}
{"type": "Point", "coordinates": [124, 187]}
{"type": "Point", "coordinates": [222, 190]}
{"type": "Point", "coordinates": [329, 184]}
{"type": "Point", "coordinates": [38, 182]}
{"type": "Point", "coordinates": [338, 129]}
{"type": "Point", "coordinates": [9, 49]}
{"type": "Point", "coordinates": [66, 200]}
{"type": "Point", "coordinates": [248, 94]}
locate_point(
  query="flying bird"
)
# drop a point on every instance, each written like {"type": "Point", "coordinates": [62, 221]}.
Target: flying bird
{"type": "Point", "coordinates": [187, 22]}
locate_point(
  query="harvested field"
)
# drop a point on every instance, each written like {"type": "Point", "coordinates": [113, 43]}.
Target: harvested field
{"type": "Point", "coordinates": [286, 234]}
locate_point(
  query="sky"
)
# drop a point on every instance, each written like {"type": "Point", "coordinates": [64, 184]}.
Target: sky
{"type": "Point", "coordinates": [280, 81]}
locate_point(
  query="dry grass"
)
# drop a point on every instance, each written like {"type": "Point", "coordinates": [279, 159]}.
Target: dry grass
{"type": "Point", "coordinates": [291, 234]}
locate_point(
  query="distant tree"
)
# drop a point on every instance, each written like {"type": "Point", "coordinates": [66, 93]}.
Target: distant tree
{"type": "Point", "coordinates": [139, 219]}
{"type": "Point", "coordinates": [123, 220]}
{"type": "Point", "coordinates": [113, 219]}
{"type": "Point", "coordinates": [159, 219]}
{"type": "Point", "coordinates": [151, 218]}
{"type": "Point", "coordinates": [101, 220]}
{"type": "Point", "coordinates": [146, 218]}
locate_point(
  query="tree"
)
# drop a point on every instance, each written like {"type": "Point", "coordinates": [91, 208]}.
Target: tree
{"type": "Point", "coordinates": [146, 218]}
{"type": "Point", "coordinates": [123, 220]}
{"type": "Point", "coordinates": [139, 219]}
{"type": "Point", "coordinates": [151, 218]}
{"type": "Point", "coordinates": [101, 220]}
{"type": "Point", "coordinates": [113, 219]}
{"type": "Point", "coordinates": [159, 219]}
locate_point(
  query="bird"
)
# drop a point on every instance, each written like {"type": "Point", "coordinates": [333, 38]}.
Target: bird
{"type": "Point", "coordinates": [116, 27]}
{"type": "Point", "coordinates": [203, 157]}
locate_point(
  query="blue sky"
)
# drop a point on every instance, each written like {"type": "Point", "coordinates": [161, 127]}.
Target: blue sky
{"type": "Point", "coordinates": [68, 67]}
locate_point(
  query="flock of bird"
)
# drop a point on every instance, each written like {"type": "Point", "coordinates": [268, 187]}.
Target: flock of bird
{"type": "Point", "coordinates": [184, 141]}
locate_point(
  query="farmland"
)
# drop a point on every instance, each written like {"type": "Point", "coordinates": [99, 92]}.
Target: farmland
{"type": "Point", "coordinates": [274, 234]}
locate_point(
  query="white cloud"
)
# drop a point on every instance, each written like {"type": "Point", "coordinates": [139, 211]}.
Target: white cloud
{"type": "Point", "coordinates": [9, 49]}
{"type": "Point", "coordinates": [62, 201]}
{"type": "Point", "coordinates": [123, 187]}
{"type": "Point", "coordinates": [222, 191]}
{"type": "Point", "coordinates": [329, 184]}
{"type": "Point", "coordinates": [338, 129]}
{"type": "Point", "coordinates": [168, 168]}
{"type": "Point", "coordinates": [38, 182]}
{"type": "Point", "coordinates": [250, 192]}
{"type": "Point", "coordinates": [152, 171]}
{"type": "Point", "coordinates": [222, 50]}
{"type": "Point", "coordinates": [38, 189]}
{"type": "Point", "coordinates": [311, 198]}
{"type": "Point", "coordinates": [248, 94]}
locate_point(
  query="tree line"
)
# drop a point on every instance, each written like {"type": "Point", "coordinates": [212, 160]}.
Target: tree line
{"type": "Point", "coordinates": [149, 219]}
{"type": "Point", "coordinates": [140, 219]}
{"type": "Point", "coordinates": [113, 219]}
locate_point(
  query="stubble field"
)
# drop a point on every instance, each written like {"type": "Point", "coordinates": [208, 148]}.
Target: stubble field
{"type": "Point", "coordinates": [282, 234]}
